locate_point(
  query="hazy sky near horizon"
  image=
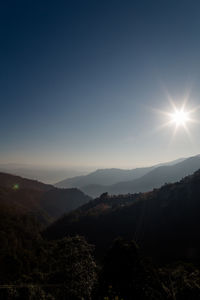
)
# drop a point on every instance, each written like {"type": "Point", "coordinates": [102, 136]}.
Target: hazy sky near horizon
{"type": "Point", "coordinates": [80, 81]}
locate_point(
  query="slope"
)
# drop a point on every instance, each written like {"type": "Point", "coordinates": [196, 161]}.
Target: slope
{"type": "Point", "coordinates": [164, 222]}
{"type": "Point", "coordinates": [153, 179]}
{"type": "Point", "coordinates": [44, 201]}
{"type": "Point", "coordinates": [109, 176]}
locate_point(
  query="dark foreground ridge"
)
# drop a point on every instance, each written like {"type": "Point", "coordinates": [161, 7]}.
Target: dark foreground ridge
{"type": "Point", "coordinates": [156, 258]}
{"type": "Point", "coordinates": [164, 222]}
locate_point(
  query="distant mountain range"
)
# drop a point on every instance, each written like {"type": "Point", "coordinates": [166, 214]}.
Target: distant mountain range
{"type": "Point", "coordinates": [132, 181]}
{"type": "Point", "coordinates": [109, 176]}
{"type": "Point", "coordinates": [44, 201]}
{"type": "Point", "coordinates": [164, 222]}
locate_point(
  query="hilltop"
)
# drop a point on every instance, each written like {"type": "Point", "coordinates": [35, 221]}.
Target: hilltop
{"type": "Point", "coordinates": [165, 222]}
{"type": "Point", "coordinates": [36, 198]}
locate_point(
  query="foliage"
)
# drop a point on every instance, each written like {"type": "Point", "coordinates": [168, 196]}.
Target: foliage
{"type": "Point", "coordinates": [164, 222]}
{"type": "Point", "coordinates": [125, 274]}
{"type": "Point", "coordinates": [32, 267]}
{"type": "Point", "coordinates": [72, 265]}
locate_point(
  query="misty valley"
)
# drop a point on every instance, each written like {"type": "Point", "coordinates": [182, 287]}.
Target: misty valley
{"type": "Point", "coordinates": [58, 243]}
{"type": "Point", "coordinates": [100, 150]}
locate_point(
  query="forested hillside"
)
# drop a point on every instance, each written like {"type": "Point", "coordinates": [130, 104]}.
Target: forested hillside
{"type": "Point", "coordinates": [165, 222]}
{"type": "Point", "coordinates": [43, 201]}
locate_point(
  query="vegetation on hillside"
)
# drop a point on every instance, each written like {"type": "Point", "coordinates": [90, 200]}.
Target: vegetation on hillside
{"type": "Point", "coordinates": [153, 259]}
{"type": "Point", "coordinates": [43, 201]}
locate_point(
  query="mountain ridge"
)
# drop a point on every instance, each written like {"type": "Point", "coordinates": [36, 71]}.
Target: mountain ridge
{"type": "Point", "coordinates": [153, 179]}
{"type": "Point", "coordinates": [42, 200]}
{"type": "Point", "coordinates": [109, 176]}
{"type": "Point", "coordinates": [165, 222]}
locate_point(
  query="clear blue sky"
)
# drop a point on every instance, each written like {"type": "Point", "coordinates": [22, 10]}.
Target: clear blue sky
{"type": "Point", "coordinates": [79, 80]}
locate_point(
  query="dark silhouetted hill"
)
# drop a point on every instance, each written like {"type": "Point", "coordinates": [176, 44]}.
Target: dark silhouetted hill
{"type": "Point", "coordinates": [164, 222]}
{"type": "Point", "coordinates": [42, 200]}
{"type": "Point", "coordinates": [10, 181]}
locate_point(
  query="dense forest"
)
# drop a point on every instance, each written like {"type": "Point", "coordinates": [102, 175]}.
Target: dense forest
{"type": "Point", "coordinates": [140, 246]}
{"type": "Point", "coordinates": [164, 222]}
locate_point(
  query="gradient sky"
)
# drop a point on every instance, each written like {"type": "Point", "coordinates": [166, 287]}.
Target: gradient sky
{"type": "Point", "coordinates": [80, 81]}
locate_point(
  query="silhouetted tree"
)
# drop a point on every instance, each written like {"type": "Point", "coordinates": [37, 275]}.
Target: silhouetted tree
{"type": "Point", "coordinates": [73, 267]}
{"type": "Point", "coordinates": [127, 275]}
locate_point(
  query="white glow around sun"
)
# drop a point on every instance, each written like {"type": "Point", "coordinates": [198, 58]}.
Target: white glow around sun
{"type": "Point", "coordinates": [180, 117]}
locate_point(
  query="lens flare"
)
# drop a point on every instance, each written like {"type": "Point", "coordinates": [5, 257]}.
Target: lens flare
{"type": "Point", "coordinates": [16, 186]}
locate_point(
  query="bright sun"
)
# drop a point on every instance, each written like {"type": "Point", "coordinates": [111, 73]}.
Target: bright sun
{"type": "Point", "coordinates": [180, 117]}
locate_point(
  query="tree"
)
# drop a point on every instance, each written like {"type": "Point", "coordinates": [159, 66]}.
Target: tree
{"type": "Point", "coordinates": [128, 275]}
{"type": "Point", "coordinates": [73, 267]}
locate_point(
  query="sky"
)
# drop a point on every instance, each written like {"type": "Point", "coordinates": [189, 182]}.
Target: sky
{"type": "Point", "coordinates": [82, 82]}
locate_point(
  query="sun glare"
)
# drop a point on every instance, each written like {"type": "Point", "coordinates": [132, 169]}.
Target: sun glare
{"type": "Point", "coordinates": [180, 117]}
